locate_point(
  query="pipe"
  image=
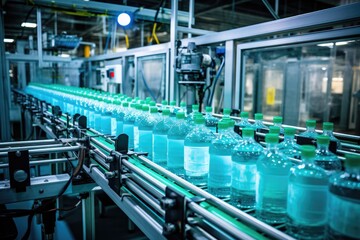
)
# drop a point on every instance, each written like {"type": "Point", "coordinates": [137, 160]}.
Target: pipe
{"type": "Point", "coordinates": [34, 142]}
{"type": "Point", "coordinates": [47, 150]}
{"type": "Point", "coordinates": [10, 149]}
{"type": "Point", "coordinates": [43, 162]}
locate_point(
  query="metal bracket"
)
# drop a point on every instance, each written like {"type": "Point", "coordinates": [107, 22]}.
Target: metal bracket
{"type": "Point", "coordinates": [174, 204]}
{"type": "Point", "coordinates": [19, 170]}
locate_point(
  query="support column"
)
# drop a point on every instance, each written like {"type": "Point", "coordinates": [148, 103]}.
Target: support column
{"type": "Point", "coordinates": [88, 216]}
{"type": "Point", "coordinates": [5, 134]}
{"type": "Point", "coordinates": [229, 75]}
{"type": "Point", "coordinates": [173, 36]}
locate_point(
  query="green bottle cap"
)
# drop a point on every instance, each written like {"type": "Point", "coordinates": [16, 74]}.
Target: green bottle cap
{"type": "Point", "coordinates": [323, 140]}
{"type": "Point", "coordinates": [153, 110]}
{"type": "Point", "coordinates": [133, 105]}
{"type": "Point", "coordinates": [311, 123]}
{"type": "Point", "coordinates": [352, 160]}
{"type": "Point", "coordinates": [145, 108]}
{"type": "Point", "coordinates": [226, 111]}
{"type": "Point", "coordinates": [259, 116]}
{"type": "Point", "coordinates": [173, 103]}
{"type": "Point", "coordinates": [328, 126]}
{"type": "Point", "coordinates": [164, 102]}
{"type": "Point", "coordinates": [307, 151]}
{"type": "Point", "coordinates": [148, 99]}
{"type": "Point", "coordinates": [271, 138]}
{"type": "Point", "coordinates": [278, 120]}
{"type": "Point", "coordinates": [222, 125]}
{"type": "Point", "coordinates": [231, 122]}
{"type": "Point", "coordinates": [166, 112]}
{"type": "Point", "coordinates": [274, 130]}
{"type": "Point", "coordinates": [195, 107]}
{"type": "Point", "coordinates": [125, 104]}
{"type": "Point", "coordinates": [183, 104]}
{"type": "Point", "coordinates": [208, 109]}
{"type": "Point", "coordinates": [289, 131]}
{"type": "Point", "coordinates": [248, 132]}
{"type": "Point", "coordinates": [138, 106]}
{"type": "Point", "coordinates": [152, 103]}
{"type": "Point", "coordinates": [180, 115]}
{"type": "Point", "coordinates": [199, 120]}
{"type": "Point", "coordinates": [244, 115]}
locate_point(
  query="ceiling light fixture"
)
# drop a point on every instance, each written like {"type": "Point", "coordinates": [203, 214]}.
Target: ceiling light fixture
{"type": "Point", "coordinates": [124, 19]}
{"type": "Point", "coordinates": [28, 25]}
{"type": "Point", "coordinates": [8, 40]}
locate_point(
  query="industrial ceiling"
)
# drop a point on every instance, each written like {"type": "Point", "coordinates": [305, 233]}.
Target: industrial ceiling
{"type": "Point", "coordinates": [94, 24]}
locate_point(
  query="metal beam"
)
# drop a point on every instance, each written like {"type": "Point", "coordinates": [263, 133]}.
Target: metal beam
{"type": "Point", "coordinates": [321, 18]}
{"type": "Point", "coordinates": [271, 10]}
{"type": "Point", "coordinates": [173, 37]}
{"type": "Point", "coordinates": [193, 31]}
{"type": "Point", "coordinates": [114, 9]}
{"type": "Point", "coordinates": [39, 37]}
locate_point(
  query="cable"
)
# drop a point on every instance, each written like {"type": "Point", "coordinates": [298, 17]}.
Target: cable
{"type": "Point", "coordinates": [153, 35]}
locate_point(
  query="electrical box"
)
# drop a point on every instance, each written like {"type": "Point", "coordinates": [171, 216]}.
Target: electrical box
{"type": "Point", "coordinates": [114, 73]}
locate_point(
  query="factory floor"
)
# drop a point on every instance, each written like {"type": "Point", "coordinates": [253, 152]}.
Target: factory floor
{"type": "Point", "coordinates": [113, 224]}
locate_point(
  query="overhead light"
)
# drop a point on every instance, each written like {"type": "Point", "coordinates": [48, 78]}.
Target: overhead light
{"type": "Point", "coordinates": [8, 40]}
{"type": "Point", "coordinates": [64, 55]}
{"type": "Point", "coordinates": [326, 45]}
{"type": "Point", "coordinates": [124, 19]}
{"type": "Point", "coordinates": [28, 25]}
{"type": "Point", "coordinates": [343, 43]}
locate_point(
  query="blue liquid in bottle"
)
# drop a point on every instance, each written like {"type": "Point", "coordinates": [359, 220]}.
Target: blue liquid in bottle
{"type": "Point", "coordinates": [272, 183]}
{"type": "Point", "coordinates": [146, 130]}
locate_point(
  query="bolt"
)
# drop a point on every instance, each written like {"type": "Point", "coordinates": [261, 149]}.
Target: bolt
{"type": "Point", "coordinates": [18, 153]}
{"type": "Point", "coordinates": [109, 175]}
{"type": "Point", "coordinates": [41, 191]}
{"type": "Point", "coordinates": [46, 180]}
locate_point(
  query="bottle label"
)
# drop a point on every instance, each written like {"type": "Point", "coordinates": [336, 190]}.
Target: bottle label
{"type": "Point", "coordinates": [307, 204]}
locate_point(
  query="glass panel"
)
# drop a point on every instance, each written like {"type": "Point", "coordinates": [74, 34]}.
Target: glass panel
{"type": "Point", "coordinates": [151, 76]}
{"type": "Point", "coordinates": [310, 81]}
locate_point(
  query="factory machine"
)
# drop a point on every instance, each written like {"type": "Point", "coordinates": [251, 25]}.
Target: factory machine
{"type": "Point", "coordinates": [161, 204]}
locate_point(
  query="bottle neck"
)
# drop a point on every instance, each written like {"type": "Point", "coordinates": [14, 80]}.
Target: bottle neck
{"type": "Point", "coordinates": [307, 160]}
{"type": "Point", "coordinates": [328, 133]}
{"type": "Point", "coordinates": [248, 139]}
{"type": "Point", "coordinates": [259, 122]}
{"type": "Point", "coordinates": [323, 147]}
{"type": "Point", "coordinates": [289, 138]}
{"type": "Point", "coordinates": [310, 129]}
{"type": "Point", "coordinates": [271, 146]}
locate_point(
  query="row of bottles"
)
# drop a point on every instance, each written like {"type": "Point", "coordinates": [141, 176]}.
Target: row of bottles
{"type": "Point", "coordinates": [206, 151]}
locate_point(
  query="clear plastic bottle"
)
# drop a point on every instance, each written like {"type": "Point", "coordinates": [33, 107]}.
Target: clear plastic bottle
{"type": "Point", "coordinates": [173, 109]}
{"type": "Point", "coordinates": [324, 158]}
{"type": "Point", "coordinates": [231, 130]}
{"type": "Point", "coordinates": [244, 121]}
{"type": "Point", "coordinates": [288, 147]}
{"type": "Point", "coordinates": [226, 112]}
{"type": "Point", "coordinates": [139, 116]}
{"type": "Point", "coordinates": [244, 158]}
{"type": "Point", "coordinates": [272, 183]}
{"type": "Point", "coordinates": [159, 139]}
{"type": "Point", "coordinates": [105, 118]}
{"type": "Point", "coordinates": [220, 166]}
{"type": "Point", "coordinates": [97, 115]}
{"type": "Point", "coordinates": [307, 198]}
{"type": "Point", "coordinates": [277, 120]}
{"type": "Point", "coordinates": [310, 130]}
{"type": "Point", "coordinates": [328, 128]}
{"type": "Point", "coordinates": [258, 125]}
{"type": "Point", "coordinates": [344, 201]}
{"type": "Point", "coordinates": [195, 112]}
{"type": "Point", "coordinates": [210, 121]}
{"type": "Point", "coordinates": [120, 114]}
{"type": "Point", "coordinates": [183, 108]}
{"type": "Point", "coordinates": [164, 105]}
{"type": "Point", "coordinates": [146, 127]}
{"type": "Point", "coordinates": [129, 120]}
{"type": "Point", "coordinates": [175, 144]}
{"type": "Point", "coordinates": [196, 153]}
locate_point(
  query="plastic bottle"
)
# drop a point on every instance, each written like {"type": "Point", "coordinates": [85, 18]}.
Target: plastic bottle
{"type": "Point", "coordinates": [159, 138]}
{"type": "Point", "coordinates": [310, 130]}
{"type": "Point", "coordinates": [307, 198]}
{"type": "Point", "coordinates": [328, 128]}
{"type": "Point", "coordinates": [226, 112]}
{"type": "Point", "coordinates": [97, 115]}
{"type": "Point", "coordinates": [324, 158]}
{"type": "Point", "coordinates": [258, 125]}
{"type": "Point", "coordinates": [244, 122]}
{"type": "Point", "coordinates": [195, 112]}
{"type": "Point", "coordinates": [129, 120]}
{"type": "Point", "coordinates": [172, 109]}
{"type": "Point", "coordinates": [105, 118]}
{"type": "Point", "coordinates": [288, 147]}
{"type": "Point", "coordinates": [183, 108]}
{"type": "Point", "coordinates": [272, 183]}
{"type": "Point", "coordinates": [146, 127]}
{"type": "Point", "coordinates": [220, 166]}
{"type": "Point", "coordinates": [120, 114]}
{"type": "Point", "coordinates": [139, 116]}
{"type": "Point", "coordinates": [196, 153]}
{"type": "Point", "coordinates": [277, 120]}
{"type": "Point", "coordinates": [344, 201]}
{"type": "Point", "coordinates": [164, 105]}
{"type": "Point", "coordinates": [175, 144]}
{"type": "Point", "coordinates": [210, 121]}
{"type": "Point", "coordinates": [244, 158]}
